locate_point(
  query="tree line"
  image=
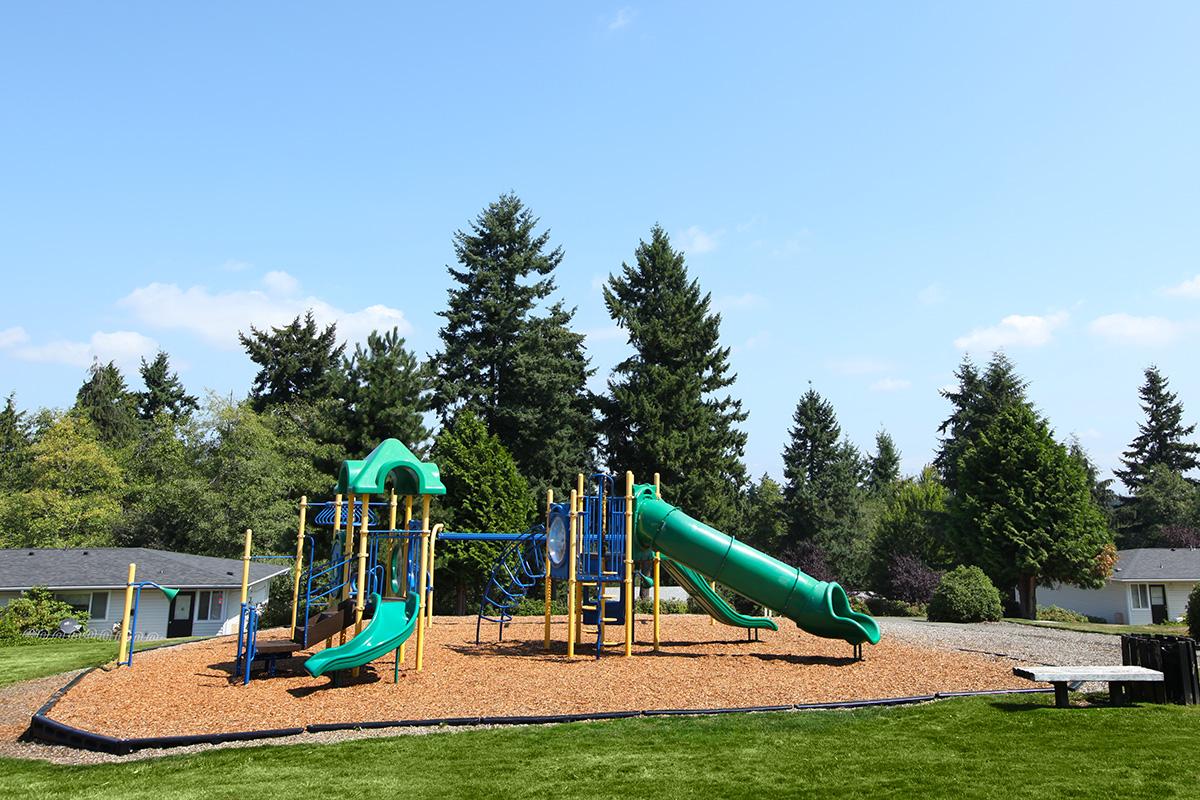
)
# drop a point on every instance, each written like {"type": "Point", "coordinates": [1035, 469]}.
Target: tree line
{"type": "Point", "coordinates": [505, 409]}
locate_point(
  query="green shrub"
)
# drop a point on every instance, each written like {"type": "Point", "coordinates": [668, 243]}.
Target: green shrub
{"type": "Point", "coordinates": [885, 607]}
{"type": "Point", "coordinates": [965, 594]}
{"type": "Point", "coordinates": [1056, 614]}
{"type": "Point", "coordinates": [858, 605]}
{"type": "Point", "coordinates": [664, 606]}
{"type": "Point", "coordinates": [1193, 612]}
{"type": "Point", "coordinates": [535, 607]}
{"type": "Point", "coordinates": [35, 610]}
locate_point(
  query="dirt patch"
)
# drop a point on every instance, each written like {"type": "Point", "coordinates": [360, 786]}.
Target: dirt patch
{"type": "Point", "coordinates": [188, 690]}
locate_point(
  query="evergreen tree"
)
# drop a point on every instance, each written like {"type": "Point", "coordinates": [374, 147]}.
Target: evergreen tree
{"type": "Point", "coordinates": [1102, 492]}
{"type": "Point", "coordinates": [1024, 510]}
{"type": "Point", "coordinates": [15, 440]}
{"type": "Point", "coordinates": [913, 525]}
{"type": "Point", "coordinates": [765, 515]}
{"type": "Point", "coordinates": [164, 391]}
{"type": "Point", "coordinates": [297, 362]}
{"type": "Point", "coordinates": [1161, 439]}
{"type": "Point", "coordinates": [667, 410]}
{"type": "Point", "coordinates": [977, 400]}
{"type": "Point", "coordinates": [108, 404]}
{"type": "Point", "coordinates": [484, 492]}
{"type": "Point", "coordinates": [522, 374]}
{"type": "Point", "coordinates": [386, 396]}
{"type": "Point", "coordinates": [883, 468]}
{"type": "Point", "coordinates": [810, 456]}
{"type": "Point", "coordinates": [1165, 501]}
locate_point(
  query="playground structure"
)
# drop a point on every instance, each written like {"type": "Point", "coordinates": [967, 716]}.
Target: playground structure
{"type": "Point", "coordinates": [379, 581]}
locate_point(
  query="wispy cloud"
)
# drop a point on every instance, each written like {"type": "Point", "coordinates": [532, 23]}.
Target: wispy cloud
{"type": "Point", "coordinates": [1189, 288]}
{"type": "Point", "coordinates": [126, 348]}
{"type": "Point", "coordinates": [859, 365]}
{"type": "Point", "coordinates": [740, 302]}
{"type": "Point", "coordinates": [696, 241]}
{"type": "Point", "coordinates": [931, 295]}
{"type": "Point", "coordinates": [10, 337]}
{"type": "Point", "coordinates": [1015, 330]}
{"type": "Point", "coordinates": [890, 385]}
{"type": "Point", "coordinates": [622, 19]}
{"type": "Point", "coordinates": [218, 317]}
{"type": "Point", "coordinates": [1143, 331]}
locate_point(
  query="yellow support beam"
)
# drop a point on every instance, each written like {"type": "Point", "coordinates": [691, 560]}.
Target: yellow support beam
{"type": "Point", "coordinates": [657, 571]}
{"type": "Point", "coordinates": [628, 564]}
{"type": "Point", "coordinates": [422, 556]}
{"type": "Point", "coordinates": [572, 588]}
{"type": "Point", "coordinates": [298, 564]}
{"type": "Point", "coordinates": [347, 552]}
{"type": "Point", "coordinates": [246, 565]}
{"type": "Point", "coordinates": [123, 652]}
{"type": "Point", "coordinates": [360, 594]}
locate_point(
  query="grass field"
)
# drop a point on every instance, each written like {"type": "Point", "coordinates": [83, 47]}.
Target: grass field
{"type": "Point", "coordinates": [1100, 627]}
{"type": "Point", "coordinates": [24, 662]}
{"type": "Point", "coordinates": [1002, 747]}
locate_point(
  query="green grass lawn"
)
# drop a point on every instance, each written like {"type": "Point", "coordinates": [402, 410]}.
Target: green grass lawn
{"type": "Point", "coordinates": [1004, 747]}
{"type": "Point", "coordinates": [1100, 627]}
{"type": "Point", "coordinates": [23, 662]}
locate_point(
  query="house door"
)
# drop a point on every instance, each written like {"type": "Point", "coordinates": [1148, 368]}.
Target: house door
{"type": "Point", "coordinates": [1158, 603]}
{"type": "Point", "coordinates": [179, 619]}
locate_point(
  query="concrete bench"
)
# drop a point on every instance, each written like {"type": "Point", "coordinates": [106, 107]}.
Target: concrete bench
{"type": "Point", "coordinates": [1117, 678]}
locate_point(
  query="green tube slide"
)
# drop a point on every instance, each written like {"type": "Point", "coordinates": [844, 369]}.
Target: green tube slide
{"type": "Point", "coordinates": [818, 607]}
{"type": "Point", "coordinates": [713, 604]}
{"type": "Point", "coordinates": [393, 622]}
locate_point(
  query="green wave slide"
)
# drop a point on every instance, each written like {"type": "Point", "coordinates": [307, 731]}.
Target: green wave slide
{"type": "Point", "coordinates": [392, 624]}
{"type": "Point", "coordinates": [818, 607]}
{"type": "Point", "coordinates": [713, 604]}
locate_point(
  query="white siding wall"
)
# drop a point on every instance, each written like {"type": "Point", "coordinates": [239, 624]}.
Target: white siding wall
{"type": "Point", "coordinates": [1105, 603]}
{"type": "Point", "coordinates": [1177, 597]}
{"type": "Point", "coordinates": [6, 596]}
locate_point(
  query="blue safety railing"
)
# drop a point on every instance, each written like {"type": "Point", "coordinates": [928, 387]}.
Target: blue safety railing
{"type": "Point", "coordinates": [247, 641]}
{"type": "Point", "coordinates": [520, 565]}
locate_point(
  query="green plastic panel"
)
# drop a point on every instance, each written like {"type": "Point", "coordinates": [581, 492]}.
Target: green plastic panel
{"type": "Point", "coordinates": [369, 476]}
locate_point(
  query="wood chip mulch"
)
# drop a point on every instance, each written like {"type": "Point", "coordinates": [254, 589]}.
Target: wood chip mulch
{"type": "Point", "coordinates": [188, 689]}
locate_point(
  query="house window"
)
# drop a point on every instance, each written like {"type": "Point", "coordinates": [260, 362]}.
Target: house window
{"type": "Point", "coordinates": [1139, 594]}
{"type": "Point", "coordinates": [211, 607]}
{"type": "Point", "coordinates": [94, 604]}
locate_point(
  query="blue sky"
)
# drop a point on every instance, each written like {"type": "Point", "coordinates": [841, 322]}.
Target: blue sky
{"type": "Point", "coordinates": [868, 190]}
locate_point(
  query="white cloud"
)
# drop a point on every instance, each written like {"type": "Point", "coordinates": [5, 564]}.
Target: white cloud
{"type": "Point", "coordinates": [859, 365]}
{"type": "Point", "coordinates": [695, 240]}
{"type": "Point", "coordinates": [126, 348]}
{"type": "Point", "coordinates": [610, 333]}
{"type": "Point", "coordinates": [890, 385]}
{"type": "Point", "coordinates": [622, 20]}
{"type": "Point", "coordinates": [1129, 329]}
{"type": "Point", "coordinates": [931, 295]}
{"type": "Point", "coordinates": [10, 337]}
{"type": "Point", "coordinates": [740, 302]}
{"type": "Point", "coordinates": [1189, 288]}
{"type": "Point", "coordinates": [1015, 330]}
{"type": "Point", "coordinates": [233, 265]}
{"type": "Point", "coordinates": [217, 317]}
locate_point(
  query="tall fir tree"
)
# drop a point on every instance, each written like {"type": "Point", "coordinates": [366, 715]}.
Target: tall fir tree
{"type": "Point", "coordinates": [522, 374]}
{"type": "Point", "coordinates": [297, 362]}
{"type": "Point", "coordinates": [668, 408]}
{"type": "Point", "coordinates": [811, 454]}
{"type": "Point", "coordinates": [883, 467]}
{"type": "Point", "coordinates": [386, 394]}
{"type": "Point", "coordinates": [164, 391]}
{"type": "Point", "coordinates": [976, 401]}
{"type": "Point", "coordinates": [15, 439]}
{"type": "Point", "coordinates": [1162, 438]}
{"type": "Point", "coordinates": [106, 402]}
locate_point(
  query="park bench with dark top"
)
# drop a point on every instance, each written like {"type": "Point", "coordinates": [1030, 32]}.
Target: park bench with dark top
{"type": "Point", "coordinates": [1118, 679]}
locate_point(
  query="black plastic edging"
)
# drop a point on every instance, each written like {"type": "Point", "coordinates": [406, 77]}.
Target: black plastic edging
{"type": "Point", "coordinates": [51, 730]}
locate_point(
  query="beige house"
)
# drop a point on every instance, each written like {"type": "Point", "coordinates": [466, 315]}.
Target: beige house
{"type": "Point", "coordinates": [1148, 585]}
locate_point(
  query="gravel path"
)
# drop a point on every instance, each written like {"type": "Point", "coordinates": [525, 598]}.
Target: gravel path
{"type": "Point", "coordinates": [1028, 644]}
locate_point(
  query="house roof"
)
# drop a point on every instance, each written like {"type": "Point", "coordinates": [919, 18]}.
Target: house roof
{"type": "Point", "coordinates": [1157, 564]}
{"type": "Point", "coordinates": [108, 568]}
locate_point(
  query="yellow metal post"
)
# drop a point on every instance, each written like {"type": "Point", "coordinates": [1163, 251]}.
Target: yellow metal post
{"type": "Point", "coordinates": [546, 635]}
{"type": "Point", "coordinates": [657, 571]}
{"type": "Point", "coordinates": [246, 566]}
{"type": "Point", "coordinates": [347, 552]}
{"type": "Point", "coordinates": [387, 586]}
{"type": "Point", "coordinates": [298, 566]}
{"type": "Point", "coordinates": [123, 652]}
{"type": "Point", "coordinates": [628, 564]}
{"type": "Point", "coordinates": [571, 583]}
{"type": "Point", "coordinates": [421, 560]}
{"type": "Point", "coordinates": [360, 594]}
{"type": "Point", "coordinates": [579, 518]}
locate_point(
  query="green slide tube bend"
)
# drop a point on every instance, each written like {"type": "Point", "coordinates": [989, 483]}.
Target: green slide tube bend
{"type": "Point", "coordinates": [818, 607]}
{"type": "Point", "coordinates": [390, 627]}
{"type": "Point", "coordinates": [713, 604]}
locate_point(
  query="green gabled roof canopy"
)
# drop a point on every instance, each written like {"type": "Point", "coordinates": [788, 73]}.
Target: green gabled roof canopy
{"type": "Point", "coordinates": [411, 474]}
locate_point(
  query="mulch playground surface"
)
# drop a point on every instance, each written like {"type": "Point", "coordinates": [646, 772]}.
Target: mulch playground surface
{"type": "Point", "coordinates": [188, 690]}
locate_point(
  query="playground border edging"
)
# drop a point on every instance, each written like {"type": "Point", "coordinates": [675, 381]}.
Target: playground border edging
{"type": "Point", "coordinates": [51, 731]}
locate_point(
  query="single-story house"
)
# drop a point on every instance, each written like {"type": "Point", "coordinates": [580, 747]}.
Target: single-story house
{"type": "Point", "coordinates": [93, 581]}
{"type": "Point", "coordinates": [1148, 585]}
